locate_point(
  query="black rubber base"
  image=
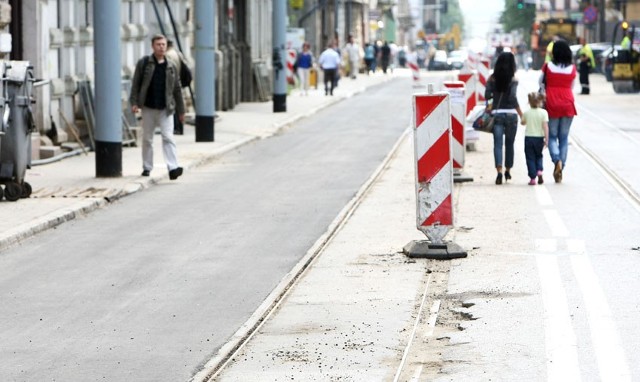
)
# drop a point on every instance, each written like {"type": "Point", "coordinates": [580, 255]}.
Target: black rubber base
{"type": "Point", "coordinates": [279, 103]}
{"type": "Point", "coordinates": [461, 178]}
{"type": "Point", "coordinates": [426, 250]}
{"type": "Point", "coordinates": [204, 128]}
{"type": "Point", "coordinates": [108, 159]}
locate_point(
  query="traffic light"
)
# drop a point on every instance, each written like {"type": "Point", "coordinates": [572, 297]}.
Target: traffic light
{"type": "Point", "coordinates": [445, 6]}
{"type": "Point", "coordinates": [625, 26]}
{"type": "Point", "coordinates": [520, 4]}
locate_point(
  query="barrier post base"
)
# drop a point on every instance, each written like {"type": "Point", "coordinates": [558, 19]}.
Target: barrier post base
{"type": "Point", "coordinates": [461, 178]}
{"type": "Point", "coordinates": [424, 249]}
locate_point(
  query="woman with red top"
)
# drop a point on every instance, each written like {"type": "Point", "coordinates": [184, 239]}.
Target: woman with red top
{"type": "Point", "coordinates": [558, 78]}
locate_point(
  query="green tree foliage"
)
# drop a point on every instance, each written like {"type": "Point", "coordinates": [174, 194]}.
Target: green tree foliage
{"type": "Point", "coordinates": [513, 18]}
{"type": "Point", "coordinates": [453, 16]}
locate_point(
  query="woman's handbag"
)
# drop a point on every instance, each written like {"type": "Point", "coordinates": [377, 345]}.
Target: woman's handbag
{"type": "Point", "coordinates": [486, 120]}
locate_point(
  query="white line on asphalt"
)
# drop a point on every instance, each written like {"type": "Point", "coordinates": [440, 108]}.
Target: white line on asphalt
{"type": "Point", "coordinates": [417, 374]}
{"type": "Point", "coordinates": [546, 245]}
{"type": "Point", "coordinates": [433, 317]}
{"type": "Point", "coordinates": [576, 246]}
{"type": "Point", "coordinates": [608, 124]}
{"type": "Point", "coordinates": [543, 196]}
{"type": "Point", "coordinates": [558, 229]}
{"type": "Point", "coordinates": [415, 328]}
{"type": "Point", "coordinates": [560, 339]}
{"type": "Point", "coordinates": [610, 354]}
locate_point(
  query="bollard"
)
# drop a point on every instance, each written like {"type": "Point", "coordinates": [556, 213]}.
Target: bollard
{"type": "Point", "coordinates": [434, 176]}
{"type": "Point", "coordinates": [292, 55]}
{"type": "Point", "coordinates": [484, 71]}
{"type": "Point", "coordinates": [456, 90]}
{"type": "Point", "coordinates": [412, 61]}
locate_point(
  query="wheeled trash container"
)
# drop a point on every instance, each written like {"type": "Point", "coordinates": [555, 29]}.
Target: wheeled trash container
{"type": "Point", "coordinates": [17, 125]}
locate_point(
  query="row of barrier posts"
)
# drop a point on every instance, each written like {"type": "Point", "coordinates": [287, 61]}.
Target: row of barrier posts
{"type": "Point", "coordinates": [439, 148]}
{"type": "Point", "coordinates": [432, 142]}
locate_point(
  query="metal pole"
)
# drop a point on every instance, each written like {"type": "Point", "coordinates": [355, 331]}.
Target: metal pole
{"type": "Point", "coordinates": [602, 23]}
{"type": "Point", "coordinates": [279, 40]}
{"type": "Point", "coordinates": [205, 15]}
{"type": "Point", "coordinates": [108, 112]}
{"type": "Point", "coordinates": [157, 12]}
{"type": "Point", "coordinates": [337, 22]}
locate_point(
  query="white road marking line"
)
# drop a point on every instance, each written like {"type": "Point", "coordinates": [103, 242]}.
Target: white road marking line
{"type": "Point", "coordinates": [543, 196]}
{"type": "Point", "coordinates": [606, 341]}
{"type": "Point", "coordinates": [433, 317]}
{"type": "Point", "coordinates": [560, 339]}
{"type": "Point", "coordinates": [546, 245]}
{"type": "Point", "coordinates": [576, 246]}
{"type": "Point", "coordinates": [558, 229]}
{"type": "Point", "coordinates": [413, 332]}
{"type": "Point", "coordinates": [417, 374]}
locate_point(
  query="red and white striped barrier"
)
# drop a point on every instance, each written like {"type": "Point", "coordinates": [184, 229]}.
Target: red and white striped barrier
{"type": "Point", "coordinates": [434, 173]}
{"type": "Point", "coordinates": [292, 55]}
{"type": "Point", "coordinates": [471, 95]}
{"type": "Point", "coordinates": [415, 73]}
{"type": "Point", "coordinates": [473, 60]}
{"type": "Point", "coordinates": [458, 100]}
{"type": "Point", "coordinates": [484, 71]}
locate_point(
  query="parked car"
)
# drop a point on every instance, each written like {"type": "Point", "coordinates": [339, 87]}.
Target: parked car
{"type": "Point", "coordinates": [439, 61]}
{"type": "Point", "coordinates": [457, 59]}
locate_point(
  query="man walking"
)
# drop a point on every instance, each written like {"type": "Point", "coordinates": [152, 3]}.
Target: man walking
{"type": "Point", "coordinates": [353, 52]}
{"type": "Point", "coordinates": [329, 61]}
{"type": "Point", "coordinates": [156, 91]}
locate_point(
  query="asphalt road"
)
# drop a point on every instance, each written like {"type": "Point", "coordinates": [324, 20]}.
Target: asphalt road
{"type": "Point", "coordinates": [150, 287]}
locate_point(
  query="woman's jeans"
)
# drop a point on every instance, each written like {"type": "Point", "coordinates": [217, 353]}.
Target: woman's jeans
{"type": "Point", "coordinates": [533, 152]}
{"type": "Point", "coordinates": [559, 138]}
{"type": "Point", "coordinates": [506, 125]}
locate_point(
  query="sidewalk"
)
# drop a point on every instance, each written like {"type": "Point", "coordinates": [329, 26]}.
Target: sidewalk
{"type": "Point", "coordinates": [67, 189]}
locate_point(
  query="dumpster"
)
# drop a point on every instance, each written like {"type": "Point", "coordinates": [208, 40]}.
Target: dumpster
{"type": "Point", "coordinates": [17, 124]}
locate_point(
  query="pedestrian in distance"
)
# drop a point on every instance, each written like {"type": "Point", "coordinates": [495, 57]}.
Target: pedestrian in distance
{"type": "Point", "coordinates": [156, 92]}
{"type": "Point", "coordinates": [385, 57]}
{"type": "Point", "coordinates": [352, 50]}
{"type": "Point", "coordinates": [625, 43]}
{"type": "Point", "coordinates": [370, 58]}
{"type": "Point", "coordinates": [586, 63]}
{"type": "Point", "coordinates": [536, 135]}
{"type": "Point", "coordinates": [557, 79]}
{"type": "Point", "coordinates": [329, 61]}
{"type": "Point", "coordinates": [304, 63]}
{"type": "Point", "coordinates": [500, 93]}
{"type": "Point", "coordinates": [176, 57]}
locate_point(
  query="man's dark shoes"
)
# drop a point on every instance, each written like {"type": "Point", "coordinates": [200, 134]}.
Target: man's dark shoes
{"type": "Point", "coordinates": [175, 173]}
{"type": "Point", "coordinates": [146, 173]}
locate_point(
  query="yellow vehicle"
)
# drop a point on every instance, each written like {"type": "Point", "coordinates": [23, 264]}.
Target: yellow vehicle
{"type": "Point", "coordinates": [543, 33]}
{"type": "Point", "coordinates": [625, 72]}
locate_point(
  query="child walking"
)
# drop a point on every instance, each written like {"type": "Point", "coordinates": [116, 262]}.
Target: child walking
{"type": "Point", "coordinates": [536, 136]}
